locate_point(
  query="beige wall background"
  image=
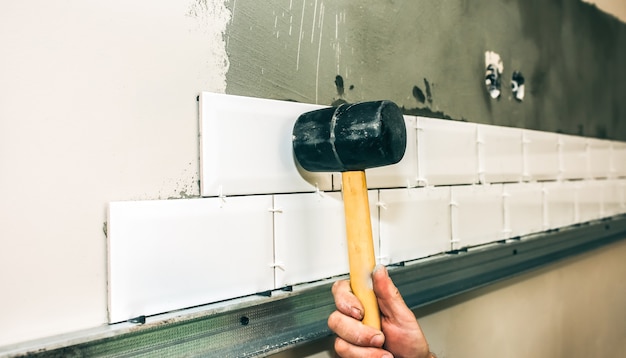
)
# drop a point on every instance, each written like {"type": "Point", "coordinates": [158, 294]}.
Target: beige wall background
{"type": "Point", "coordinates": [97, 103]}
{"type": "Point", "coordinates": [616, 8]}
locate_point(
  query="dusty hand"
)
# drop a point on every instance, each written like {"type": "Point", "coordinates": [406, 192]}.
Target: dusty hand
{"type": "Point", "coordinates": [401, 334]}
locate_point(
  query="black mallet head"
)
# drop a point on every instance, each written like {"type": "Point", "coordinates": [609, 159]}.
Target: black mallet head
{"type": "Point", "coordinates": [351, 137]}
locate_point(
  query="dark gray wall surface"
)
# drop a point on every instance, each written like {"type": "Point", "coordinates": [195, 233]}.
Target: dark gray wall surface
{"type": "Point", "coordinates": [428, 56]}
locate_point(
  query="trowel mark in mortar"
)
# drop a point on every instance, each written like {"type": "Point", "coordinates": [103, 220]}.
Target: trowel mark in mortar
{"type": "Point", "coordinates": [339, 85]}
{"type": "Point", "coordinates": [429, 93]}
{"type": "Point", "coordinates": [427, 112]}
{"type": "Point", "coordinates": [418, 94]}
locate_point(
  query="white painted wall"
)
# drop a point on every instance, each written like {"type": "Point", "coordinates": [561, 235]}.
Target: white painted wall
{"type": "Point", "coordinates": [97, 103]}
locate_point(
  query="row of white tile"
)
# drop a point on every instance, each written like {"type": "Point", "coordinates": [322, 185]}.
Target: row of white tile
{"type": "Point", "coordinates": [172, 254]}
{"type": "Point", "coordinates": [246, 149]}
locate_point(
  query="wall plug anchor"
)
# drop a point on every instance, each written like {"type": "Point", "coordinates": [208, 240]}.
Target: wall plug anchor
{"type": "Point", "coordinates": [517, 85]}
{"type": "Point", "coordinates": [493, 74]}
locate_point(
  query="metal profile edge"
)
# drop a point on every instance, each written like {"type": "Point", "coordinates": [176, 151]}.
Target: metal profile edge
{"type": "Point", "coordinates": [256, 327]}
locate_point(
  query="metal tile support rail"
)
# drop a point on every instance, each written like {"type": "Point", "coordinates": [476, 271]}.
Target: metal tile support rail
{"type": "Point", "coordinates": [265, 325]}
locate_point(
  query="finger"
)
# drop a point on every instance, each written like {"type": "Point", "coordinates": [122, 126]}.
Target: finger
{"type": "Point", "coordinates": [354, 331]}
{"type": "Point", "coordinates": [346, 350]}
{"type": "Point", "coordinates": [390, 301]}
{"type": "Point", "coordinates": [346, 302]}
{"type": "Point", "coordinates": [406, 338]}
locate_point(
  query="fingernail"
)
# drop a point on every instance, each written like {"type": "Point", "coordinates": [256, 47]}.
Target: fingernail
{"type": "Point", "coordinates": [357, 313]}
{"type": "Point", "coordinates": [377, 340]}
{"type": "Point", "coordinates": [381, 268]}
{"type": "Point", "coordinates": [387, 355]}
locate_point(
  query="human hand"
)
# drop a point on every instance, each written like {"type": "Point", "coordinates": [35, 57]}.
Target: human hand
{"type": "Point", "coordinates": [400, 335]}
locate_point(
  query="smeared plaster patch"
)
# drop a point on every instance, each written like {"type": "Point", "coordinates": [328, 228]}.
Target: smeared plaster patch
{"type": "Point", "coordinates": [186, 185]}
{"type": "Point", "coordinates": [418, 94]}
{"type": "Point", "coordinates": [492, 58]}
{"type": "Point", "coordinates": [213, 16]}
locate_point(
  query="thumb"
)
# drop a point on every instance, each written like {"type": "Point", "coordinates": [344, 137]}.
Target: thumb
{"type": "Point", "coordinates": [390, 301]}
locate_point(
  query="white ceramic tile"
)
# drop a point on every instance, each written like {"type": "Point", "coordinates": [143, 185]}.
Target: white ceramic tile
{"type": "Point", "coordinates": [589, 199]}
{"type": "Point", "coordinates": [414, 223]}
{"type": "Point", "coordinates": [622, 196]}
{"type": "Point", "coordinates": [541, 155]}
{"type": "Point", "coordinates": [477, 215]}
{"type": "Point", "coordinates": [171, 254]}
{"type": "Point", "coordinates": [599, 158]}
{"type": "Point", "coordinates": [573, 157]}
{"type": "Point", "coordinates": [523, 209]}
{"type": "Point", "coordinates": [559, 204]}
{"type": "Point", "coordinates": [446, 152]}
{"type": "Point", "coordinates": [404, 173]}
{"type": "Point", "coordinates": [618, 159]}
{"type": "Point", "coordinates": [310, 236]}
{"type": "Point", "coordinates": [612, 197]}
{"type": "Point", "coordinates": [310, 240]}
{"type": "Point", "coordinates": [499, 154]}
{"type": "Point", "coordinates": [246, 147]}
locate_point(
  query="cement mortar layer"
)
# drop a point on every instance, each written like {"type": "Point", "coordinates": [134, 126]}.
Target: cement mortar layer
{"type": "Point", "coordinates": [429, 57]}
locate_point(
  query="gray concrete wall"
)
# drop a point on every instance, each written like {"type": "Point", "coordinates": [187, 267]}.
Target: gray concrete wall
{"type": "Point", "coordinates": [568, 51]}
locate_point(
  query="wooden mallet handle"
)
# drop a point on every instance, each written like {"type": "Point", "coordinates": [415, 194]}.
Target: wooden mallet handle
{"type": "Point", "coordinates": [349, 139]}
{"type": "Point", "coordinates": [360, 244]}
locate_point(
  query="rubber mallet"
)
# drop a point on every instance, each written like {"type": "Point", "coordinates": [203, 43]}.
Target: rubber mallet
{"type": "Point", "coordinates": [349, 139]}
